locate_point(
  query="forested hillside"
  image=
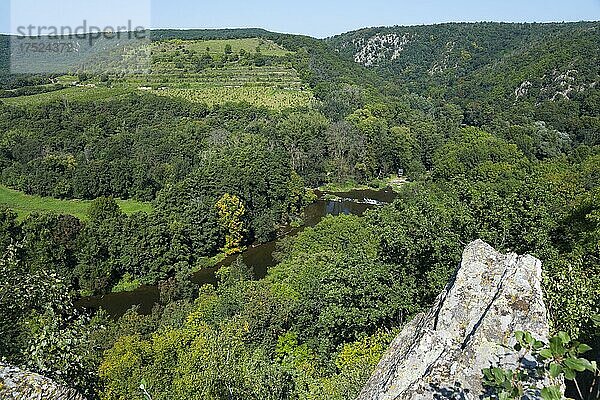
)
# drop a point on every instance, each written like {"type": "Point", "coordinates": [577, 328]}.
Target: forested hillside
{"type": "Point", "coordinates": [493, 128]}
{"type": "Point", "coordinates": [545, 72]}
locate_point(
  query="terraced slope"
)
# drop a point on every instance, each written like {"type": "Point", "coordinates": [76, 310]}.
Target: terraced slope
{"type": "Point", "coordinates": [253, 70]}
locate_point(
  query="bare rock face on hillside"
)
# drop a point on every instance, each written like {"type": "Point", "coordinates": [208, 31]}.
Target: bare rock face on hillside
{"type": "Point", "coordinates": [16, 384]}
{"type": "Point", "coordinates": [440, 355]}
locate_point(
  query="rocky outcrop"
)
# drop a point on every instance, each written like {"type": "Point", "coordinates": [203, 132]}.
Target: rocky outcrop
{"type": "Point", "coordinates": [16, 384]}
{"type": "Point", "coordinates": [440, 355]}
{"type": "Point", "coordinates": [379, 48]}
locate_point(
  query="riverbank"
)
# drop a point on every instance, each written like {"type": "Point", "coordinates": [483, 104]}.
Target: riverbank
{"type": "Point", "coordinates": [393, 182]}
{"type": "Point", "coordinates": [258, 257]}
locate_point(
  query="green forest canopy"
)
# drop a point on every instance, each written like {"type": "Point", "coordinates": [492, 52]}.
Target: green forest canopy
{"type": "Point", "coordinates": [497, 126]}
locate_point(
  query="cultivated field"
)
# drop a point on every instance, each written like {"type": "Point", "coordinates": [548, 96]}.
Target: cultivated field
{"type": "Point", "coordinates": [256, 71]}
{"type": "Point", "coordinates": [217, 47]}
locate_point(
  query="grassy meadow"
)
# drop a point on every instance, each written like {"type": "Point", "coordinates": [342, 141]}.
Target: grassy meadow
{"type": "Point", "coordinates": [24, 204]}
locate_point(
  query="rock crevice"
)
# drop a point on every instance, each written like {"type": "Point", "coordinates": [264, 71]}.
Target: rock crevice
{"type": "Point", "coordinates": [441, 354]}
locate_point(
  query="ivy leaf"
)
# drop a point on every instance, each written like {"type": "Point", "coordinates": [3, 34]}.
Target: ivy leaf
{"type": "Point", "coordinates": [578, 364]}
{"type": "Point", "coordinates": [551, 393]}
{"type": "Point", "coordinates": [555, 370]}
{"type": "Point", "coordinates": [538, 345]}
{"type": "Point", "coordinates": [498, 375]}
{"type": "Point", "coordinates": [569, 373]}
{"type": "Point", "coordinates": [556, 346]}
{"type": "Point", "coordinates": [564, 337]}
{"type": "Point", "coordinates": [487, 373]}
{"type": "Point", "coordinates": [583, 348]}
{"type": "Point", "coordinates": [546, 353]}
{"type": "Point", "coordinates": [588, 365]}
{"type": "Point", "coordinates": [529, 338]}
{"type": "Point", "coordinates": [519, 336]}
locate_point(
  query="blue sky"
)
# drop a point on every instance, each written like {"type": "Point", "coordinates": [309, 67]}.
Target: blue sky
{"type": "Point", "coordinates": [318, 18]}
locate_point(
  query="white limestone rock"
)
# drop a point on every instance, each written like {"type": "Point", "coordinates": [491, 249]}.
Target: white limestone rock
{"type": "Point", "coordinates": [16, 384]}
{"type": "Point", "coordinates": [440, 355]}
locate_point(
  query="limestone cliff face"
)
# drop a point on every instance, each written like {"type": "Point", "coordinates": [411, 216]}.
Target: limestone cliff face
{"type": "Point", "coordinates": [440, 355]}
{"type": "Point", "coordinates": [16, 384]}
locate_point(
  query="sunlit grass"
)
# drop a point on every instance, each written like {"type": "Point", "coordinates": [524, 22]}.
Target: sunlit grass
{"type": "Point", "coordinates": [24, 204]}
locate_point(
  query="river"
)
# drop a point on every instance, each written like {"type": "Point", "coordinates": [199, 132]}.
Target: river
{"type": "Point", "coordinates": [258, 257]}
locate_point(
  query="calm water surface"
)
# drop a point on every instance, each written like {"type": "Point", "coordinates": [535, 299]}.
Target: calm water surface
{"type": "Point", "coordinates": [259, 257]}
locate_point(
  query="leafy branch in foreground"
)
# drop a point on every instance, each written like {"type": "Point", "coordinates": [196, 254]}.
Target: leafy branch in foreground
{"type": "Point", "coordinates": [540, 362]}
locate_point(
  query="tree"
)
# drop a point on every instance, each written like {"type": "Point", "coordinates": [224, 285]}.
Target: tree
{"type": "Point", "coordinates": [301, 134]}
{"type": "Point", "coordinates": [10, 230]}
{"type": "Point", "coordinates": [40, 329]}
{"type": "Point", "coordinates": [50, 242]}
{"type": "Point", "coordinates": [477, 155]}
{"type": "Point", "coordinates": [339, 286]}
{"type": "Point", "coordinates": [99, 246]}
{"type": "Point", "coordinates": [231, 212]}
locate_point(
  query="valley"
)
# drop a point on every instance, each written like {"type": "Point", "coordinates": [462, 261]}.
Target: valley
{"type": "Point", "coordinates": [162, 238]}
